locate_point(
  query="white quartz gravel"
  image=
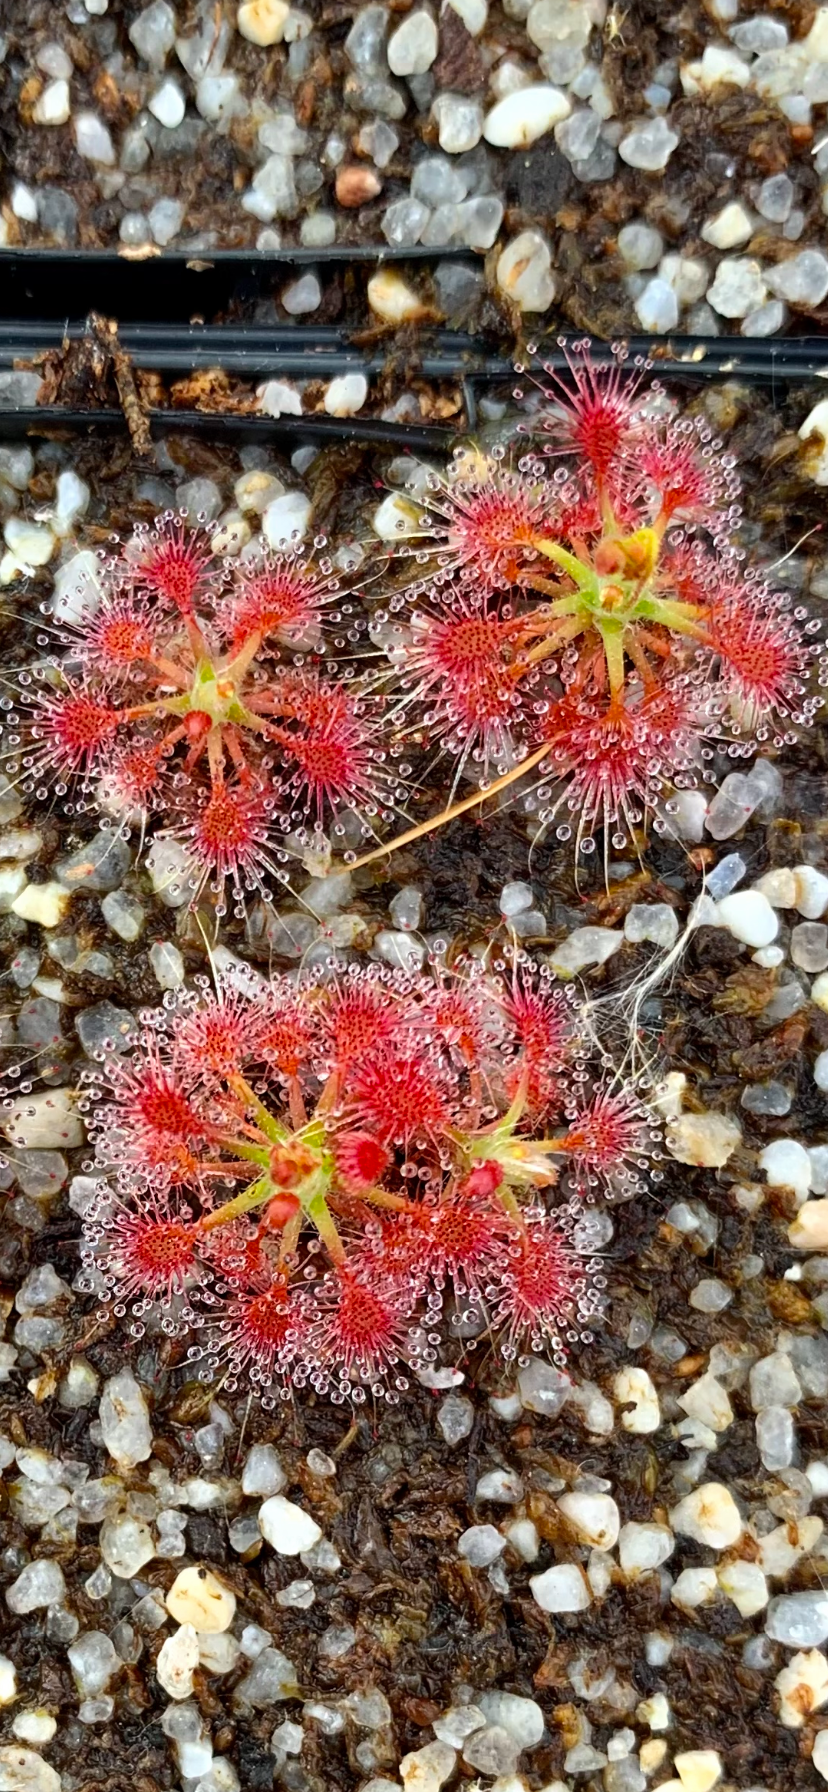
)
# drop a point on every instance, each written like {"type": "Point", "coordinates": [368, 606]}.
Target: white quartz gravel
{"type": "Point", "coordinates": [288, 1528]}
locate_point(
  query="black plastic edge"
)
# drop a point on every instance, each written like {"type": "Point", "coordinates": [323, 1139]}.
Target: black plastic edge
{"type": "Point", "coordinates": [70, 283]}
{"type": "Point", "coordinates": [53, 420]}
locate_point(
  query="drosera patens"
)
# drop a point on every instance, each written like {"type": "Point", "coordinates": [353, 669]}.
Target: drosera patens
{"type": "Point", "coordinates": [195, 694]}
{"type": "Point", "coordinates": [314, 1179]}
{"type": "Point", "coordinates": [581, 612]}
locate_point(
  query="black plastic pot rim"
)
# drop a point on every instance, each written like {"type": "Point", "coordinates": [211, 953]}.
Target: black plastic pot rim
{"type": "Point", "coordinates": [46, 294]}
{"type": "Point", "coordinates": [58, 283]}
{"type": "Point", "coordinates": [308, 351]}
{"type": "Point", "coordinates": [300, 353]}
{"type": "Point", "coordinates": [199, 259]}
{"type": "Point", "coordinates": [688, 354]}
{"type": "Point", "coordinates": [53, 421]}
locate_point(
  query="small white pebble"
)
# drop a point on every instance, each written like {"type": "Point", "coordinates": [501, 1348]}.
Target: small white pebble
{"type": "Point", "coordinates": [24, 203]}
{"type": "Point", "coordinates": [737, 290]}
{"type": "Point", "coordinates": [196, 1597]}
{"type": "Point", "coordinates": [819, 1757]}
{"type": "Point", "coordinates": [694, 1587]}
{"type": "Point", "coordinates": [288, 1528]}
{"type": "Point", "coordinates": [787, 1165]}
{"type": "Point", "coordinates": [93, 139]}
{"type": "Point", "coordinates": [594, 1517]}
{"type": "Point", "coordinates": [748, 915]}
{"type": "Point", "coordinates": [501, 1485]}
{"type": "Point", "coordinates": [124, 1420]}
{"type": "Point", "coordinates": [708, 1401]}
{"type": "Point", "coordinates": [802, 1686]}
{"type": "Point", "coordinates": [710, 1295]}
{"type": "Point", "coordinates": [593, 1409]}
{"type": "Point", "coordinates": [31, 546]}
{"type": "Point", "coordinates": [508, 1407]}
{"type": "Point", "coordinates": [21, 1770]}
{"type": "Point", "coordinates": [519, 119]}
{"type": "Point", "coordinates": [168, 105]}
{"type": "Point", "coordinates": [561, 1588]}
{"type": "Point", "coordinates": [687, 813]}
{"type": "Point", "coordinates": [668, 1095]}
{"type": "Point", "coordinates": [717, 67]}
{"type": "Point", "coordinates": [167, 964]}
{"type": "Point", "coordinates": [53, 105]}
{"type": "Point", "coordinates": [262, 22]}
{"type": "Point", "coordinates": [640, 246]}
{"type": "Point", "coordinates": [730, 227]}
{"type": "Point", "coordinates": [392, 299]}
{"type": "Point", "coordinates": [346, 395]}
{"type": "Point", "coordinates": [126, 1545]}
{"type": "Point", "coordinates": [584, 947]}
{"type": "Point", "coordinates": [649, 145]}
{"type": "Point", "coordinates": [177, 1661]}
{"type": "Point", "coordinates": [45, 904]}
{"type": "Point", "coordinates": [642, 1547]}
{"type": "Point", "coordinates": [653, 921]}
{"type": "Point", "coordinates": [809, 1230]}
{"type": "Point", "coordinates": [654, 1712]}
{"type": "Point", "coordinates": [12, 882]}
{"type": "Point", "coordinates": [285, 521]}
{"type": "Point", "coordinates": [406, 908]}
{"type": "Point", "coordinates": [515, 897]}
{"type": "Point", "coordinates": [710, 1515]}
{"type": "Point", "coordinates": [781, 1548]}
{"type": "Point", "coordinates": [301, 296]}
{"type": "Point", "coordinates": [481, 1545]}
{"type": "Point", "coordinates": [744, 1583]}
{"type": "Point", "coordinates": [656, 306]}
{"type": "Point", "coordinates": [699, 1769]}
{"type": "Point", "coordinates": [779, 887]}
{"type": "Point", "coordinates": [276, 398]}
{"type": "Point", "coordinates": [821, 1070]}
{"type": "Point", "coordinates": [399, 949]}
{"type": "Point", "coordinates": [474, 14]}
{"type": "Point", "coordinates": [523, 1536]}
{"type": "Point", "coordinates": [819, 990]}
{"type": "Point", "coordinates": [634, 1389]}
{"type": "Point", "coordinates": [36, 1726]}
{"type": "Point", "coordinates": [427, 1769]}
{"type": "Point", "coordinates": [776, 1443]}
{"type": "Point", "coordinates": [705, 1140]}
{"type": "Point", "coordinates": [218, 1652]}
{"type": "Point", "coordinates": [396, 517]}
{"type": "Point", "coordinates": [413, 46]}
{"type": "Point", "coordinates": [44, 1122]}
{"type": "Point", "coordinates": [524, 271]}
{"type": "Point", "coordinates": [40, 1583]}
{"type": "Point", "coordinates": [811, 892]}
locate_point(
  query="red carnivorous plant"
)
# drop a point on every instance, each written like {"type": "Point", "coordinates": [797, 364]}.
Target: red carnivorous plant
{"type": "Point", "coordinates": [585, 613]}
{"type": "Point", "coordinates": [194, 692]}
{"type": "Point", "coordinates": [315, 1176]}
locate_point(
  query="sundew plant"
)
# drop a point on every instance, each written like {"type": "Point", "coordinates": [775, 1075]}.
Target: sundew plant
{"type": "Point", "coordinates": [585, 613]}
{"type": "Point", "coordinates": [194, 695]}
{"type": "Point", "coordinates": [323, 1179]}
